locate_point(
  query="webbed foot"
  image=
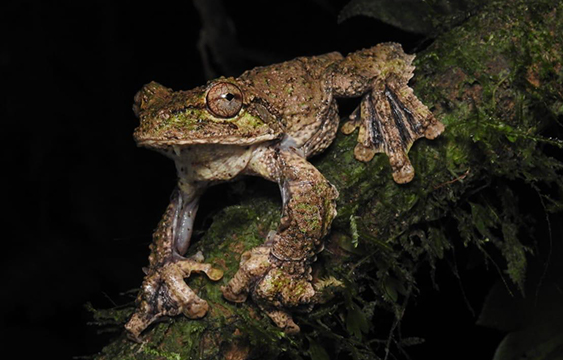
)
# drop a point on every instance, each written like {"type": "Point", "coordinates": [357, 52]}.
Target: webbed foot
{"type": "Point", "coordinates": [391, 118]}
{"type": "Point", "coordinates": [165, 293]}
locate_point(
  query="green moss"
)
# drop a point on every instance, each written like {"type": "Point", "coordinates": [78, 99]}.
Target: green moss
{"type": "Point", "coordinates": [496, 83]}
{"type": "Point", "coordinates": [187, 119]}
{"type": "Point", "coordinates": [310, 217]}
{"type": "Point", "coordinates": [279, 282]}
{"type": "Point", "coordinates": [500, 71]}
{"type": "Point", "coordinates": [248, 122]}
{"type": "Point", "coordinates": [161, 354]}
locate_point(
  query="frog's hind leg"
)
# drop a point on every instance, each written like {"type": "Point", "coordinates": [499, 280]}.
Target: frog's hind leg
{"type": "Point", "coordinates": [325, 134]}
{"type": "Point", "coordinates": [390, 116]}
{"type": "Point", "coordinates": [390, 121]}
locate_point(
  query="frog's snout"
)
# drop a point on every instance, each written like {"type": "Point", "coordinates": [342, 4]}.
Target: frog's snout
{"type": "Point", "coordinates": [150, 94]}
{"type": "Point", "coordinates": [137, 103]}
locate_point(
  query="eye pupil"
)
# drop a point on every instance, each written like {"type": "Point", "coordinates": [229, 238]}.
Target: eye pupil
{"type": "Point", "coordinates": [229, 96]}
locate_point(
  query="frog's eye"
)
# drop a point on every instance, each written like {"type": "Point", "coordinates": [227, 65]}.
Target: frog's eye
{"type": "Point", "coordinates": [224, 99]}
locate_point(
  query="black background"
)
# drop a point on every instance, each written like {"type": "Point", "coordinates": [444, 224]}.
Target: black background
{"type": "Point", "coordinates": [83, 200]}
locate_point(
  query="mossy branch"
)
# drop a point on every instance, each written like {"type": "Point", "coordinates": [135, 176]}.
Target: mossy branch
{"type": "Point", "coordinates": [496, 83]}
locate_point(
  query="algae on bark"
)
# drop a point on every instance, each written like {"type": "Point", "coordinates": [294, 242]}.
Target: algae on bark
{"type": "Point", "coordinates": [495, 81]}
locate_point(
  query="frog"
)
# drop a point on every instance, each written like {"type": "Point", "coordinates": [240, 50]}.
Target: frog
{"type": "Point", "coordinates": [268, 122]}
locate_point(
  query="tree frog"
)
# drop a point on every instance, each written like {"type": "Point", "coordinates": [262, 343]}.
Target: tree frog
{"type": "Point", "coordinates": [267, 122]}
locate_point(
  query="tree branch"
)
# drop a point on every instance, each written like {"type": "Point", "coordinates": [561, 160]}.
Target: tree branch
{"type": "Point", "coordinates": [496, 83]}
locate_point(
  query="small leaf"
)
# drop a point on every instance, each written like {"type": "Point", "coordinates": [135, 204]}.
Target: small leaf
{"type": "Point", "coordinates": [316, 351]}
{"type": "Point", "coordinates": [354, 230]}
{"type": "Point", "coordinates": [438, 242]}
{"type": "Point", "coordinates": [356, 322]}
{"type": "Point", "coordinates": [512, 138]}
{"type": "Point", "coordinates": [391, 289]}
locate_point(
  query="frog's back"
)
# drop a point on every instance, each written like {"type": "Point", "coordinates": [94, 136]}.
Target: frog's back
{"type": "Point", "coordinates": [297, 92]}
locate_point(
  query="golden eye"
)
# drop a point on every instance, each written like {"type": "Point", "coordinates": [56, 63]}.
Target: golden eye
{"type": "Point", "coordinates": [224, 99]}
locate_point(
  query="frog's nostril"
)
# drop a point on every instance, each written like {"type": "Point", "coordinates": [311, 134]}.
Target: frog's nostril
{"type": "Point", "coordinates": [150, 94]}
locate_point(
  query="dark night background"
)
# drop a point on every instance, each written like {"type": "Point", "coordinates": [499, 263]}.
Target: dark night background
{"type": "Point", "coordinates": [83, 199]}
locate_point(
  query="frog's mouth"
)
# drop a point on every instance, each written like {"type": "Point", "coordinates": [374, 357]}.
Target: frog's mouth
{"type": "Point", "coordinates": [173, 130]}
{"type": "Point", "coordinates": [165, 144]}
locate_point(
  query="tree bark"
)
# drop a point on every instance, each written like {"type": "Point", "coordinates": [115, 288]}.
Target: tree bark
{"type": "Point", "coordinates": [496, 84]}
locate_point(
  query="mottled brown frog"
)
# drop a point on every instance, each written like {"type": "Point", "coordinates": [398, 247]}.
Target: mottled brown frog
{"type": "Point", "coordinates": [268, 122]}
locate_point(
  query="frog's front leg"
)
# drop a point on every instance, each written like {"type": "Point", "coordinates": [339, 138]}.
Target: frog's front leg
{"type": "Point", "coordinates": [277, 274]}
{"type": "Point", "coordinates": [164, 292]}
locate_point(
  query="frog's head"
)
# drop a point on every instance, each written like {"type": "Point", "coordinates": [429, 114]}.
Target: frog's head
{"type": "Point", "coordinates": [218, 113]}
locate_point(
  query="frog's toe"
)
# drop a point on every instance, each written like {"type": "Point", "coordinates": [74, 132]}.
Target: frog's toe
{"type": "Point", "coordinates": [278, 292]}
{"type": "Point", "coordinates": [234, 295]}
{"type": "Point", "coordinates": [196, 308]}
{"type": "Point", "coordinates": [254, 264]}
{"type": "Point", "coordinates": [283, 320]}
{"type": "Point", "coordinates": [156, 300]}
{"type": "Point", "coordinates": [237, 288]}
